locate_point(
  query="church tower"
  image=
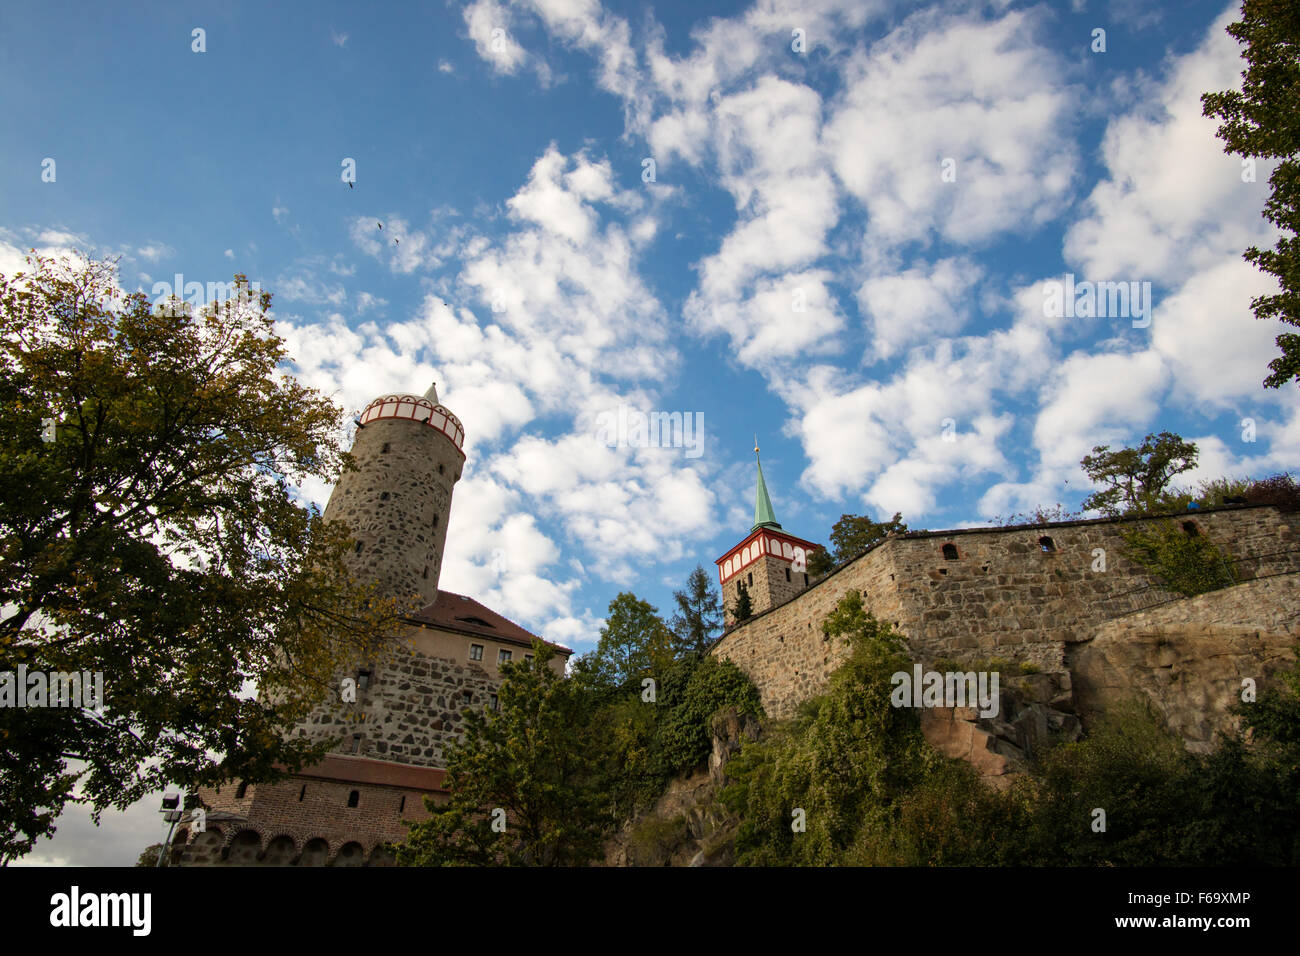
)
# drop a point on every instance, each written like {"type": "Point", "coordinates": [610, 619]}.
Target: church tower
{"type": "Point", "coordinates": [409, 456]}
{"type": "Point", "coordinates": [769, 563]}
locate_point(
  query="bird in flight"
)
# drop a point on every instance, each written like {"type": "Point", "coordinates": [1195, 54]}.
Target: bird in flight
{"type": "Point", "coordinates": [380, 225]}
{"type": "Point", "coordinates": [349, 184]}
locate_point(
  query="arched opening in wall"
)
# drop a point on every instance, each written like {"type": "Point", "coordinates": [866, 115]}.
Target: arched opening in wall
{"type": "Point", "coordinates": [206, 848]}
{"type": "Point", "coordinates": [242, 790]}
{"type": "Point", "coordinates": [950, 552]}
{"type": "Point", "coordinates": [1046, 545]}
{"type": "Point", "coordinates": [354, 798]}
{"type": "Point", "coordinates": [1190, 529]}
{"type": "Point", "coordinates": [401, 806]}
{"type": "Point", "coordinates": [751, 577]}
{"type": "Point", "coordinates": [245, 848]}
{"type": "Point", "coordinates": [315, 853]}
{"type": "Point", "coordinates": [787, 574]}
{"type": "Point", "coordinates": [382, 856]}
{"type": "Point", "coordinates": [350, 854]}
{"type": "Point", "coordinates": [279, 852]}
{"type": "Point", "coordinates": [426, 572]}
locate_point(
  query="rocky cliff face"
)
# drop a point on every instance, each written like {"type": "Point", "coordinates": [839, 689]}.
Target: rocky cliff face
{"type": "Point", "coordinates": [1190, 658]}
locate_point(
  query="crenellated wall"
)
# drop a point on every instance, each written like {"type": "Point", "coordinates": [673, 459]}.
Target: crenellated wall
{"type": "Point", "coordinates": [1003, 594]}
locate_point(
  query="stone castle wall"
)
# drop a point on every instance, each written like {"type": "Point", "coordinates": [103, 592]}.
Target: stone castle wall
{"type": "Point", "coordinates": [1003, 595]}
{"type": "Point", "coordinates": [411, 710]}
{"type": "Point", "coordinates": [397, 505]}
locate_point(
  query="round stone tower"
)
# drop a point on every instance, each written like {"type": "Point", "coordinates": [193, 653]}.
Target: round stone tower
{"type": "Point", "coordinates": [397, 503]}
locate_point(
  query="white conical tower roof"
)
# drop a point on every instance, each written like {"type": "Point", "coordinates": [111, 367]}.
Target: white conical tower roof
{"type": "Point", "coordinates": [432, 393]}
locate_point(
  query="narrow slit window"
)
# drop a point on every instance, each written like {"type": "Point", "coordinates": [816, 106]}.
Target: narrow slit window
{"type": "Point", "coordinates": [354, 798]}
{"type": "Point", "coordinates": [302, 793]}
{"type": "Point", "coordinates": [242, 791]}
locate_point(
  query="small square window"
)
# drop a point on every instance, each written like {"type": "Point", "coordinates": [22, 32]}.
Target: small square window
{"type": "Point", "coordinates": [503, 657]}
{"type": "Point", "coordinates": [476, 652]}
{"type": "Point", "coordinates": [528, 657]}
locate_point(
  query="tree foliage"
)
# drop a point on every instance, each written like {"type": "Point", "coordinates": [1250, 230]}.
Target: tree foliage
{"type": "Point", "coordinates": [156, 540]}
{"type": "Point", "coordinates": [743, 609]}
{"type": "Point", "coordinates": [1189, 564]}
{"type": "Point", "coordinates": [698, 619]}
{"type": "Point", "coordinates": [1259, 121]}
{"type": "Point", "coordinates": [537, 757]}
{"type": "Point", "coordinates": [1137, 480]}
{"type": "Point", "coordinates": [634, 644]}
{"type": "Point", "coordinates": [850, 536]}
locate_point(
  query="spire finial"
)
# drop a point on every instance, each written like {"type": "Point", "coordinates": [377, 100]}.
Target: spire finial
{"type": "Point", "coordinates": [764, 517]}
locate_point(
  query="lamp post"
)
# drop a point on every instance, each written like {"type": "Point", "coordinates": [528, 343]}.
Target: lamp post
{"type": "Point", "coordinates": [172, 813]}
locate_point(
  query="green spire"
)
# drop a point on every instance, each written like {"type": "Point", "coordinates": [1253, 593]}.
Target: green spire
{"type": "Point", "coordinates": [764, 517]}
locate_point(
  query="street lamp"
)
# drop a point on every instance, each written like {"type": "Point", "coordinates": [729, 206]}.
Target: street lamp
{"type": "Point", "coordinates": [172, 813]}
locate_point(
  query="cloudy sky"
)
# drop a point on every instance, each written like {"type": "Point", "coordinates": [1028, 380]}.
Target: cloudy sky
{"type": "Point", "coordinates": [833, 223]}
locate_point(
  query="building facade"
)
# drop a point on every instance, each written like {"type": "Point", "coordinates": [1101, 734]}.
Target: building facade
{"type": "Point", "coordinates": [445, 658]}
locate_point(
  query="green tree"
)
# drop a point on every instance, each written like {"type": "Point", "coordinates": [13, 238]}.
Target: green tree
{"type": "Point", "coordinates": [843, 762]}
{"type": "Point", "coordinates": [1259, 120]}
{"type": "Point", "coordinates": [1189, 564]}
{"type": "Point", "coordinates": [1137, 480]}
{"type": "Point", "coordinates": [850, 536]}
{"type": "Point", "coordinates": [149, 533]}
{"type": "Point", "coordinates": [524, 780]}
{"type": "Point", "coordinates": [743, 609]}
{"type": "Point", "coordinates": [634, 644]}
{"type": "Point", "coordinates": [698, 618]}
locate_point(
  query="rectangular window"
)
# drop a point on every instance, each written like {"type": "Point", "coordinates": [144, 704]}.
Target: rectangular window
{"type": "Point", "coordinates": [503, 656]}
{"type": "Point", "coordinates": [476, 652]}
{"type": "Point", "coordinates": [528, 657]}
{"type": "Point", "coordinates": [494, 702]}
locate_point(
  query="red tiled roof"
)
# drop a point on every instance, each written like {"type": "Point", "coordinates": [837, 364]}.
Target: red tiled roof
{"type": "Point", "coordinates": [350, 769]}
{"type": "Point", "coordinates": [456, 612]}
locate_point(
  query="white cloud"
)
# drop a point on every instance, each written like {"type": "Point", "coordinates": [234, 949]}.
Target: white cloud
{"type": "Point", "coordinates": [918, 304]}
{"type": "Point", "coordinates": [1174, 203]}
{"type": "Point", "coordinates": [985, 94]}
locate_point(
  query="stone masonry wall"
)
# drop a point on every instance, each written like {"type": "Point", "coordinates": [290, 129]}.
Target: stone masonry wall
{"type": "Point", "coordinates": [397, 505]}
{"type": "Point", "coordinates": [410, 711]}
{"type": "Point", "coordinates": [1002, 596]}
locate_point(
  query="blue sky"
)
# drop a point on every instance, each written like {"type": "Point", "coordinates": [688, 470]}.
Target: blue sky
{"type": "Point", "coordinates": [503, 142]}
